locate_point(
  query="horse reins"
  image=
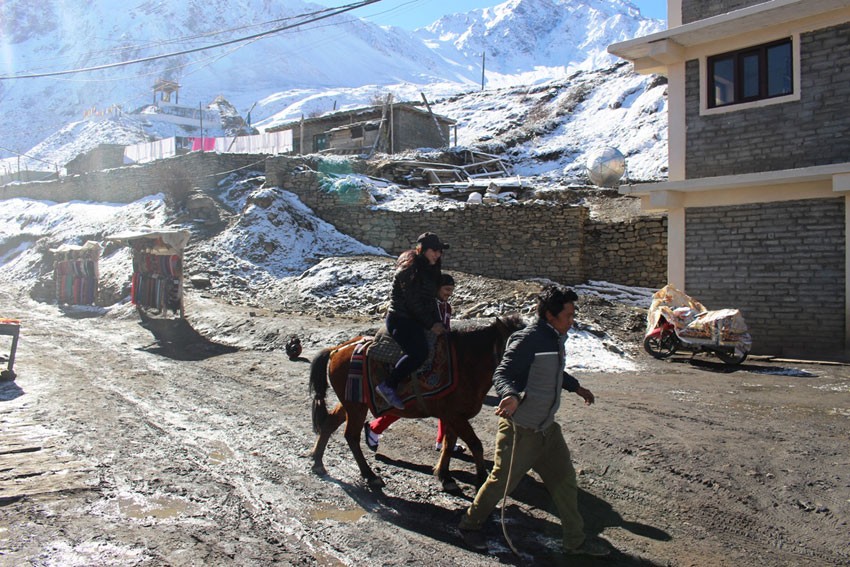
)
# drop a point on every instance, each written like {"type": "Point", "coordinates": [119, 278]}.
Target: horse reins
{"type": "Point", "coordinates": [498, 352]}
{"type": "Point", "coordinates": [507, 488]}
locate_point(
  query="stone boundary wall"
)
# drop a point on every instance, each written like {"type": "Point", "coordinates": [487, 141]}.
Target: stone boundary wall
{"type": "Point", "coordinates": [781, 264]}
{"type": "Point", "coordinates": [513, 241]}
{"type": "Point", "coordinates": [175, 175]}
{"type": "Point", "coordinates": [546, 240]}
{"type": "Point", "coordinates": [632, 253]}
{"type": "Point", "coordinates": [484, 239]}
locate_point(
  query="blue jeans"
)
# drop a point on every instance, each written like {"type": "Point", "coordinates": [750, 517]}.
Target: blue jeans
{"type": "Point", "coordinates": [411, 338]}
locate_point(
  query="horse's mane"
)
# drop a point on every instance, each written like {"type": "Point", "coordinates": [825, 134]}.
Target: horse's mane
{"type": "Point", "coordinates": [473, 336]}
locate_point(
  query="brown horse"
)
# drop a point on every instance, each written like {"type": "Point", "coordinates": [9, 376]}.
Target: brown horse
{"type": "Point", "coordinates": [477, 352]}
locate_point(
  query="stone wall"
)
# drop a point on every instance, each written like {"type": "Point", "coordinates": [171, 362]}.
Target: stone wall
{"type": "Point", "coordinates": [630, 253]}
{"type": "Point", "coordinates": [693, 10]}
{"type": "Point", "coordinates": [507, 241]}
{"type": "Point", "coordinates": [539, 239]}
{"type": "Point", "coordinates": [782, 264]}
{"type": "Point", "coordinates": [419, 132]}
{"type": "Point", "coordinates": [175, 176]}
{"type": "Point", "coordinates": [804, 133]}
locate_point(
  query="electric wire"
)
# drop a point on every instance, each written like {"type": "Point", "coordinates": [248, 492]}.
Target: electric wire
{"type": "Point", "coordinates": [184, 39]}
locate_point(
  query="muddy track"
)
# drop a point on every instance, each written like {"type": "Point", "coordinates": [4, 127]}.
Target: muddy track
{"type": "Point", "coordinates": [143, 455]}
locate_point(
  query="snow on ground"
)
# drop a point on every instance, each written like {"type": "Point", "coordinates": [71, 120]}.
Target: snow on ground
{"type": "Point", "coordinates": [29, 227]}
{"type": "Point", "coordinates": [629, 295]}
{"type": "Point", "coordinates": [588, 353]}
{"type": "Point", "coordinates": [275, 244]}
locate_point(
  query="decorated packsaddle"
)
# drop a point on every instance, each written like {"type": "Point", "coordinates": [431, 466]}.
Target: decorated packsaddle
{"type": "Point", "coordinates": [373, 359]}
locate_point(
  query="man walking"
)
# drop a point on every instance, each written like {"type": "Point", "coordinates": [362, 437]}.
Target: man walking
{"type": "Point", "coordinates": [529, 381]}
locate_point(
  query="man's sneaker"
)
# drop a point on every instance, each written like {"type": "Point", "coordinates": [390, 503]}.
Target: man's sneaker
{"type": "Point", "coordinates": [371, 437]}
{"type": "Point", "coordinates": [592, 547]}
{"type": "Point", "coordinates": [474, 539]}
{"type": "Point", "coordinates": [386, 392]}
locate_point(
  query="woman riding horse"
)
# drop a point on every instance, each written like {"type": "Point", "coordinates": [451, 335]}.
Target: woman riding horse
{"type": "Point", "coordinates": [476, 352]}
{"type": "Point", "coordinates": [412, 312]}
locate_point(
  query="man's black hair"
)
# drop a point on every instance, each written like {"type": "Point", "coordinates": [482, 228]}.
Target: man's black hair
{"type": "Point", "coordinates": [553, 298]}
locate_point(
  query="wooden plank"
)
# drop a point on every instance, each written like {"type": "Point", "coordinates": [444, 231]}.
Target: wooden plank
{"type": "Point", "coordinates": [45, 484]}
{"type": "Point", "coordinates": [45, 467]}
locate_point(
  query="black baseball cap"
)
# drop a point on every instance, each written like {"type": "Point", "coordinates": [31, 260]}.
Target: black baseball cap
{"type": "Point", "coordinates": [432, 241]}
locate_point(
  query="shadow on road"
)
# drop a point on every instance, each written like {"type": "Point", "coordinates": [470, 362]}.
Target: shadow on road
{"type": "Point", "coordinates": [176, 339]}
{"type": "Point", "coordinates": [9, 390]}
{"type": "Point", "coordinates": [536, 539]}
{"type": "Point", "coordinates": [719, 367]}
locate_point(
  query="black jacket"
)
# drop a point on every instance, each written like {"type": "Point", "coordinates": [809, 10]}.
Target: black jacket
{"type": "Point", "coordinates": [414, 290]}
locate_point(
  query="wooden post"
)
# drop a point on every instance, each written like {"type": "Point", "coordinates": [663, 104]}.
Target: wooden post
{"type": "Point", "coordinates": [436, 123]}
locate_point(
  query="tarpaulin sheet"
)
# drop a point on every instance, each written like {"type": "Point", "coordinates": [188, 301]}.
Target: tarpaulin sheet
{"type": "Point", "coordinates": [695, 324]}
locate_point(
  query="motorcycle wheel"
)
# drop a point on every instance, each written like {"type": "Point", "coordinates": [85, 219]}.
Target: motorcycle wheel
{"type": "Point", "coordinates": [660, 346]}
{"type": "Point", "coordinates": [731, 357]}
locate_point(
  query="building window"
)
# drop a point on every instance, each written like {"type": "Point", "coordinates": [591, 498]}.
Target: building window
{"type": "Point", "coordinates": [755, 73]}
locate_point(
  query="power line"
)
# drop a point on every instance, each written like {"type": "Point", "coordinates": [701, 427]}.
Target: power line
{"type": "Point", "coordinates": [332, 12]}
{"type": "Point", "coordinates": [19, 154]}
{"type": "Point", "coordinates": [164, 42]}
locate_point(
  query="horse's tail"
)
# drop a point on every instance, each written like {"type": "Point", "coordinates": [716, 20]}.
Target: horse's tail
{"type": "Point", "coordinates": [319, 387]}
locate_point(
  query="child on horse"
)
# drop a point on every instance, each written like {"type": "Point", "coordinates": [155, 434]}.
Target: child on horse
{"type": "Point", "coordinates": [375, 428]}
{"type": "Point", "coordinates": [411, 311]}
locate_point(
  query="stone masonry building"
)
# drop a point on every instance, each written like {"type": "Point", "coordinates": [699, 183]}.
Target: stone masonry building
{"type": "Point", "coordinates": [759, 177]}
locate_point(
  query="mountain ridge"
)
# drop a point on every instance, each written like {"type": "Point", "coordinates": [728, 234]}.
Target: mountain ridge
{"type": "Point", "coordinates": [339, 63]}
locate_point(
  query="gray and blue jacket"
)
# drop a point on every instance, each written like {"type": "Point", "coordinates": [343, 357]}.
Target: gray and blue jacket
{"type": "Point", "coordinates": [533, 370]}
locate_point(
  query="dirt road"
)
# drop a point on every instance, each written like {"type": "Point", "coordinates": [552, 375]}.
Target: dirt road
{"type": "Point", "coordinates": [116, 451]}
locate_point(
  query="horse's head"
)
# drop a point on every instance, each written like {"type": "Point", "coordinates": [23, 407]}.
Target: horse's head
{"type": "Point", "coordinates": [505, 327]}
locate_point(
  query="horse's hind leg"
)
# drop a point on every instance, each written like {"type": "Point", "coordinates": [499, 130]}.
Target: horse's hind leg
{"type": "Point", "coordinates": [356, 417]}
{"type": "Point", "coordinates": [441, 469]}
{"type": "Point", "coordinates": [329, 425]}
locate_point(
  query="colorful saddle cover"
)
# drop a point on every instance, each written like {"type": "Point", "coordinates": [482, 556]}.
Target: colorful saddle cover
{"type": "Point", "coordinates": [433, 380]}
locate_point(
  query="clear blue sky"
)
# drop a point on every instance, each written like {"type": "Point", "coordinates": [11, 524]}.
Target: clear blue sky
{"type": "Point", "coordinates": [412, 14]}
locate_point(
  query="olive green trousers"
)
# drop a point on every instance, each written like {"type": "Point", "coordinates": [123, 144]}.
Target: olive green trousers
{"type": "Point", "coordinates": [544, 452]}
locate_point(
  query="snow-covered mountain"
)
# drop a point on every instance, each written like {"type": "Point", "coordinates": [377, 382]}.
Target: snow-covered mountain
{"type": "Point", "coordinates": [333, 63]}
{"type": "Point", "coordinates": [524, 41]}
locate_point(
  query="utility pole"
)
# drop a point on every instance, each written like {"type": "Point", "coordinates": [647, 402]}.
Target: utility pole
{"type": "Point", "coordinates": [249, 114]}
{"type": "Point", "coordinates": [201, 116]}
{"type": "Point", "coordinates": [483, 59]}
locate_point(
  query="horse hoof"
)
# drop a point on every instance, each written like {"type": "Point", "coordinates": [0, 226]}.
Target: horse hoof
{"type": "Point", "coordinates": [375, 482]}
{"type": "Point", "coordinates": [450, 486]}
{"type": "Point", "coordinates": [319, 469]}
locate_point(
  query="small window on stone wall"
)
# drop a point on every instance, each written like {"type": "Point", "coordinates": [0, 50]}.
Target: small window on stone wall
{"type": "Point", "coordinates": [747, 75]}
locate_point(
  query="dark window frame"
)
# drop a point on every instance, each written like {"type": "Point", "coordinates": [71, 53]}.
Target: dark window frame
{"type": "Point", "coordinates": [738, 58]}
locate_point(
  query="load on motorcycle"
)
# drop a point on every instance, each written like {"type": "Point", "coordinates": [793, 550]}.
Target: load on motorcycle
{"type": "Point", "coordinates": [676, 321]}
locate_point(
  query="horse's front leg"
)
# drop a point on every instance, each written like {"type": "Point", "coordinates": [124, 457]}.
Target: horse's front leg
{"type": "Point", "coordinates": [464, 430]}
{"type": "Point", "coordinates": [331, 423]}
{"type": "Point", "coordinates": [353, 427]}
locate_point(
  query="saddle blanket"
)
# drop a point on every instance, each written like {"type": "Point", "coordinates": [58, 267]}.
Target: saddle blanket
{"type": "Point", "coordinates": [433, 380]}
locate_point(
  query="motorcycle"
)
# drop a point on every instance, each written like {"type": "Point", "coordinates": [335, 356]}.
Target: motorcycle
{"type": "Point", "coordinates": [676, 322]}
